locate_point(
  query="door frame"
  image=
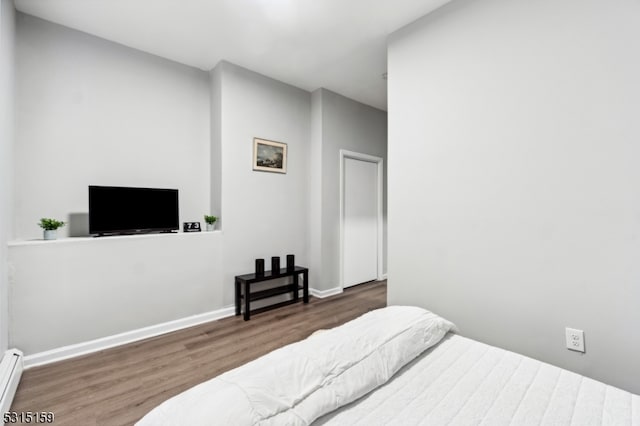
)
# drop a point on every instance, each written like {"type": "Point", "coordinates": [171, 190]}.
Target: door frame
{"type": "Point", "coordinates": [344, 154]}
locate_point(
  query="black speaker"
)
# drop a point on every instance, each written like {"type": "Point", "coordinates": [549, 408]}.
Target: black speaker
{"type": "Point", "coordinates": [275, 264]}
{"type": "Point", "coordinates": [259, 266]}
{"type": "Point", "coordinates": [290, 262]}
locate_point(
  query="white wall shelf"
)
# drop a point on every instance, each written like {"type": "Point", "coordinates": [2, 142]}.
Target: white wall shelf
{"type": "Point", "coordinates": [66, 240]}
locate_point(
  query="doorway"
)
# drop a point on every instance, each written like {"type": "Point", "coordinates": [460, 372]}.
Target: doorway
{"type": "Point", "coordinates": [360, 218]}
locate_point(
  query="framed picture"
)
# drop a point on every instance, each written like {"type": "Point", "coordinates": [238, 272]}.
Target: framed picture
{"type": "Point", "coordinates": [269, 156]}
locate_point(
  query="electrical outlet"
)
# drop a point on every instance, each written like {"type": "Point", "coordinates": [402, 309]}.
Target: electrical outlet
{"type": "Point", "coordinates": [575, 339]}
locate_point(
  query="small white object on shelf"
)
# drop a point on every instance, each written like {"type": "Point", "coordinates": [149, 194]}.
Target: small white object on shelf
{"type": "Point", "coordinates": [50, 234]}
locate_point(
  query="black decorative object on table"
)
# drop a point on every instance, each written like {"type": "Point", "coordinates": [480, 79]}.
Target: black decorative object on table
{"type": "Point", "coordinates": [275, 263]}
{"type": "Point", "coordinates": [191, 227]}
{"type": "Point", "coordinates": [290, 262]}
{"type": "Point", "coordinates": [243, 289]}
{"type": "Point", "coordinates": [259, 266]}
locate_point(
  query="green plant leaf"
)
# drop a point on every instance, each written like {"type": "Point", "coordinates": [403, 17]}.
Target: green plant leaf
{"type": "Point", "coordinates": [210, 219]}
{"type": "Point", "coordinates": [50, 224]}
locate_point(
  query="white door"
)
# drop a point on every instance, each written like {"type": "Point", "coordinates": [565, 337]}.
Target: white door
{"type": "Point", "coordinates": [360, 232]}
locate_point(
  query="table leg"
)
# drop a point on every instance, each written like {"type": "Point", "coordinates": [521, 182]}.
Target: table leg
{"type": "Point", "coordinates": [305, 294]}
{"type": "Point", "coordinates": [237, 297]}
{"type": "Point", "coordinates": [295, 287]}
{"type": "Point", "coordinates": [247, 295]}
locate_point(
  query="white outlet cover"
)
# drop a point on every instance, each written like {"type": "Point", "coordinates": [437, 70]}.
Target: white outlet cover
{"type": "Point", "coordinates": [574, 339]}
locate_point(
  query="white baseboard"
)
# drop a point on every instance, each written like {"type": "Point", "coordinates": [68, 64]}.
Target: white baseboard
{"type": "Point", "coordinates": [383, 277]}
{"type": "Point", "coordinates": [96, 345]}
{"type": "Point", "coordinates": [325, 293]}
{"type": "Point", "coordinates": [11, 368]}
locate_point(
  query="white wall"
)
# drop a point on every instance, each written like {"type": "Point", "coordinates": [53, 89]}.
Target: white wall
{"type": "Point", "coordinates": [316, 275]}
{"type": "Point", "coordinates": [85, 288]}
{"type": "Point", "coordinates": [514, 207]}
{"type": "Point", "coordinates": [215, 88]}
{"type": "Point", "coordinates": [265, 214]}
{"type": "Point", "coordinates": [76, 290]}
{"type": "Point", "coordinates": [7, 52]}
{"type": "Point", "coordinates": [91, 111]}
{"type": "Point", "coordinates": [350, 125]}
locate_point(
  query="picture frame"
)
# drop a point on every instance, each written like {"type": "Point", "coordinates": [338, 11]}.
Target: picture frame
{"type": "Point", "coordinates": [269, 156]}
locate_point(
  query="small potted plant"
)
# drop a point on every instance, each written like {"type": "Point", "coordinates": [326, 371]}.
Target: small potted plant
{"type": "Point", "coordinates": [211, 220]}
{"type": "Point", "coordinates": [50, 227]}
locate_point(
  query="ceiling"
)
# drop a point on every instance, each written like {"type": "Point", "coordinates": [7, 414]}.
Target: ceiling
{"type": "Point", "coordinates": [336, 44]}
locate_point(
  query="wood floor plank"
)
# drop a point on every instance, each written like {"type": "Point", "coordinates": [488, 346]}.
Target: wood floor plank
{"type": "Point", "coordinates": [120, 385]}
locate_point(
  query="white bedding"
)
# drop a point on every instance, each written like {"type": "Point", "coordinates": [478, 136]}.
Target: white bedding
{"type": "Point", "coordinates": [464, 382]}
{"type": "Point", "coordinates": [298, 383]}
{"type": "Point", "coordinates": [457, 382]}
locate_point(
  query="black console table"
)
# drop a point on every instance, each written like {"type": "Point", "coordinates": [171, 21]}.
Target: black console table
{"type": "Point", "coordinates": [247, 279]}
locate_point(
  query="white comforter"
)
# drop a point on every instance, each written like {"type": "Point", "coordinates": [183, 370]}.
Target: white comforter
{"type": "Point", "coordinates": [298, 383]}
{"type": "Point", "coordinates": [464, 382]}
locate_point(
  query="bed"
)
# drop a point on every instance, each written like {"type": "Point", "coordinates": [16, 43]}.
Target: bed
{"type": "Point", "coordinates": [397, 365]}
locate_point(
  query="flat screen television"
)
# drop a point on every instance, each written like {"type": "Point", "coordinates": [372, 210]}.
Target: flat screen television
{"type": "Point", "coordinates": [117, 210]}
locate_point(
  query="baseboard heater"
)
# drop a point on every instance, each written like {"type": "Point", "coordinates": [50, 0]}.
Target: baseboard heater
{"type": "Point", "coordinates": [11, 368]}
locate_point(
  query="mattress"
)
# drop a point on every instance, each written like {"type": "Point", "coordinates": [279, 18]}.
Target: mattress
{"type": "Point", "coordinates": [464, 382]}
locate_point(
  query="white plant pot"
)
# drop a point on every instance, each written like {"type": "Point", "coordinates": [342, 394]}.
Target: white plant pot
{"type": "Point", "coordinates": [210, 226]}
{"type": "Point", "coordinates": [50, 234]}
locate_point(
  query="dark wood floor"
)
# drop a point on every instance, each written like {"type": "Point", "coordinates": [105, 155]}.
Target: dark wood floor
{"type": "Point", "coordinates": [118, 386]}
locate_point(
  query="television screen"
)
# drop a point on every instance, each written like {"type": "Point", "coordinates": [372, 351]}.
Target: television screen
{"type": "Point", "coordinates": [124, 210]}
